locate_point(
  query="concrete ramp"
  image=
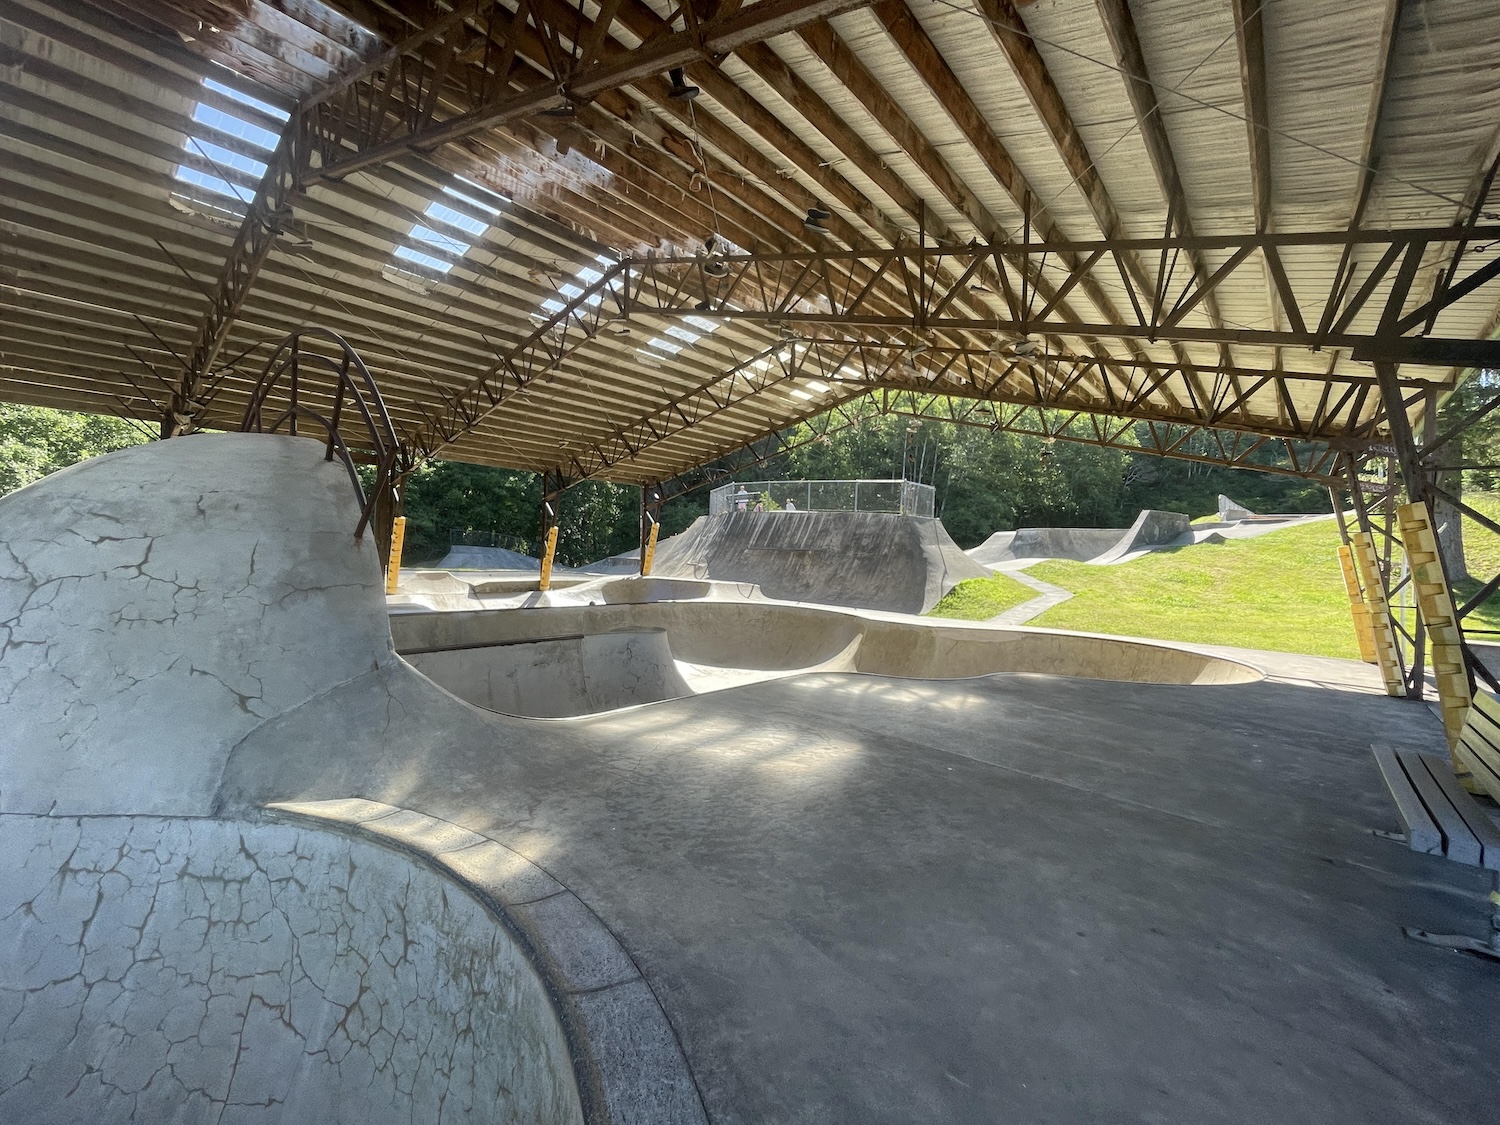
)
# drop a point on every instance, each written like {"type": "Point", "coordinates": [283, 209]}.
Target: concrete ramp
{"type": "Point", "coordinates": [1083, 544]}
{"type": "Point", "coordinates": [487, 558]}
{"type": "Point", "coordinates": [1151, 529]}
{"type": "Point", "coordinates": [152, 599]}
{"type": "Point", "coordinates": [713, 642]}
{"type": "Point", "coordinates": [1031, 543]}
{"type": "Point", "coordinates": [869, 560]}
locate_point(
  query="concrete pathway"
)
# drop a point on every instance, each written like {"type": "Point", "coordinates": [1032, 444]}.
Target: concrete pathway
{"type": "Point", "coordinates": [1048, 596]}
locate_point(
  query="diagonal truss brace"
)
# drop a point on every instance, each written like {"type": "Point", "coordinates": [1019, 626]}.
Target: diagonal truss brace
{"type": "Point", "coordinates": [448, 80]}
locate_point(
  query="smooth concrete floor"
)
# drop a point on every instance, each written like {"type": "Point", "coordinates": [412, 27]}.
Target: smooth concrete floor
{"type": "Point", "coordinates": [1020, 898]}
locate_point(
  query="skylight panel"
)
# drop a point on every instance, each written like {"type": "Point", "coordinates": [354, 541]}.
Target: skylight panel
{"type": "Point", "coordinates": [663, 345]}
{"type": "Point", "coordinates": [441, 214]}
{"type": "Point", "coordinates": [227, 158]}
{"type": "Point", "coordinates": [702, 325]}
{"type": "Point", "coordinates": [818, 386]}
{"type": "Point", "coordinates": [445, 242]}
{"type": "Point", "coordinates": [425, 240]}
{"type": "Point", "coordinates": [417, 257]}
{"type": "Point", "coordinates": [478, 195]}
{"type": "Point", "coordinates": [205, 114]}
{"type": "Point", "coordinates": [683, 334]}
{"type": "Point", "coordinates": [202, 186]}
{"type": "Point", "coordinates": [245, 99]}
{"type": "Point", "coordinates": [798, 392]}
{"type": "Point", "coordinates": [215, 184]}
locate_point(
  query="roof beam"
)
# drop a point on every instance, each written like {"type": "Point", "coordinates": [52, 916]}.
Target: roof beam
{"type": "Point", "coordinates": [1009, 30]}
{"type": "Point", "coordinates": [374, 114]}
{"type": "Point", "coordinates": [925, 58]}
{"type": "Point", "coordinates": [1119, 26]}
{"type": "Point", "coordinates": [1250, 37]}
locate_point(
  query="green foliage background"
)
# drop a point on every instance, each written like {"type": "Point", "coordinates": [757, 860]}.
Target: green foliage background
{"type": "Point", "coordinates": [35, 441]}
{"type": "Point", "coordinates": [985, 482]}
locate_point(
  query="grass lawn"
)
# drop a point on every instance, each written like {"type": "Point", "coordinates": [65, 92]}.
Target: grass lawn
{"type": "Point", "coordinates": [1281, 591]}
{"type": "Point", "coordinates": [1482, 553]}
{"type": "Point", "coordinates": [978, 599]}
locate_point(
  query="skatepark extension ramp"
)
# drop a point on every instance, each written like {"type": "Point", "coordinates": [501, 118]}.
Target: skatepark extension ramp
{"type": "Point", "coordinates": [867, 560]}
{"type": "Point", "coordinates": [1083, 544]}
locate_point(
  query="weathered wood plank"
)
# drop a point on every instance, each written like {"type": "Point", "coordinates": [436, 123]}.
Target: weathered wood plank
{"type": "Point", "coordinates": [1421, 833]}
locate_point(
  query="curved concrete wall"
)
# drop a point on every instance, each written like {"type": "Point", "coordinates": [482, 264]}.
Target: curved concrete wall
{"type": "Point", "coordinates": [163, 969]}
{"type": "Point", "coordinates": [561, 676]}
{"type": "Point", "coordinates": [762, 636]}
{"type": "Point", "coordinates": [149, 599]}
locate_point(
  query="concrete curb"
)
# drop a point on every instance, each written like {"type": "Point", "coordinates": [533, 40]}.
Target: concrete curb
{"type": "Point", "coordinates": [627, 1059]}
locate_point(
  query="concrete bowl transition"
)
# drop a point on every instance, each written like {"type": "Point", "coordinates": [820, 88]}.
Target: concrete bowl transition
{"type": "Point", "coordinates": [583, 659]}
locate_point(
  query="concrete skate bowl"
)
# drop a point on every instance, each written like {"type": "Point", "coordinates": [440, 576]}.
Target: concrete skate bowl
{"type": "Point", "coordinates": [869, 560]}
{"type": "Point", "coordinates": [705, 645]}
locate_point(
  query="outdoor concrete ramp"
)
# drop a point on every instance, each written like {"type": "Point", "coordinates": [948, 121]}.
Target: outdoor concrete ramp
{"type": "Point", "coordinates": [872, 560]}
{"type": "Point", "coordinates": [1083, 544]}
{"type": "Point", "coordinates": [150, 600]}
{"type": "Point", "coordinates": [1032, 543]}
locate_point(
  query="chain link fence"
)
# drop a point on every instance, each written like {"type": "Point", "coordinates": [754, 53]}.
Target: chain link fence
{"type": "Point", "coordinates": [899, 497]}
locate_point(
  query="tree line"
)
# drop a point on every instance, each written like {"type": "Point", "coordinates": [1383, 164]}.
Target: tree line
{"type": "Point", "coordinates": [984, 482]}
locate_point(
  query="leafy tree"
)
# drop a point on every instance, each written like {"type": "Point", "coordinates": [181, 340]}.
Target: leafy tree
{"type": "Point", "coordinates": [35, 441]}
{"type": "Point", "coordinates": [444, 496]}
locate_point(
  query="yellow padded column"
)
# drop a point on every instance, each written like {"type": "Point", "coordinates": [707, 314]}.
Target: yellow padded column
{"type": "Point", "coordinates": [547, 553]}
{"type": "Point", "coordinates": [393, 562]}
{"type": "Point", "coordinates": [1381, 633]}
{"type": "Point", "coordinates": [1357, 608]}
{"type": "Point", "coordinates": [1435, 604]}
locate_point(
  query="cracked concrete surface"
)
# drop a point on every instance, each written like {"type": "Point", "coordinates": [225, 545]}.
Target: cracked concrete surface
{"type": "Point", "coordinates": [154, 609]}
{"type": "Point", "coordinates": [191, 970]}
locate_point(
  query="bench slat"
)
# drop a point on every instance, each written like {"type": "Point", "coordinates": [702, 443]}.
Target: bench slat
{"type": "Point", "coordinates": [1481, 739]}
{"type": "Point", "coordinates": [1483, 758]}
{"type": "Point", "coordinates": [1487, 704]}
{"type": "Point", "coordinates": [1459, 844]}
{"type": "Point", "coordinates": [1479, 825]}
{"type": "Point", "coordinates": [1421, 832]}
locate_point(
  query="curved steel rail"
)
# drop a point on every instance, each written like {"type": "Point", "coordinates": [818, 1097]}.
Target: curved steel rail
{"type": "Point", "coordinates": [285, 376]}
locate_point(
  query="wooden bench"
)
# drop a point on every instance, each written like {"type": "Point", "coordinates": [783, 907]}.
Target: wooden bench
{"type": "Point", "coordinates": [1441, 818]}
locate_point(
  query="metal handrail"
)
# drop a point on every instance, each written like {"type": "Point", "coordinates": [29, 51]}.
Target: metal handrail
{"type": "Point", "coordinates": [284, 371]}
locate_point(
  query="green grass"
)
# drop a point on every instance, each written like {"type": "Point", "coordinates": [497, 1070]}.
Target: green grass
{"type": "Point", "coordinates": [1482, 553]}
{"type": "Point", "coordinates": [978, 599]}
{"type": "Point", "coordinates": [1281, 591]}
